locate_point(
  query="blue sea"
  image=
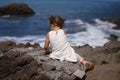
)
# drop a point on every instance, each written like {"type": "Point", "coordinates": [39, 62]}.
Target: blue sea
{"type": "Point", "coordinates": [84, 21]}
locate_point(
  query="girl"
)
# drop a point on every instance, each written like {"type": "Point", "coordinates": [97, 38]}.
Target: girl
{"type": "Point", "coordinates": [61, 49]}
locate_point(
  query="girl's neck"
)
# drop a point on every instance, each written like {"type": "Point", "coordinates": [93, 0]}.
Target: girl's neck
{"type": "Point", "coordinates": [55, 28]}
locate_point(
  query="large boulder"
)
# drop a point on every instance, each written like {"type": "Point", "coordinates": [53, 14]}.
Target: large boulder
{"type": "Point", "coordinates": [16, 9]}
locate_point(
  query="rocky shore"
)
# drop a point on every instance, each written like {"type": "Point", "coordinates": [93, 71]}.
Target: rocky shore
{"type": "Point", "coordinates": [115, 21]}
{"type": "Point", "coordinates": [29, 62]}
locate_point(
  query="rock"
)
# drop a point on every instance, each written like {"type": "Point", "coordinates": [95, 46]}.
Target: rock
{"type": "Point", "coordinates": [79, 73]}
{"type": "Point", "coordinates": [6, 68]}
{"type": "Point", "coordinates": [43, 76]}
{"type": "Point", "coordinates": [48, 67]}
{"type": "Point", "coordinates": [105, 72]}
{"type": "Point", "coordinates": [16, 9]}
{"type": "Point", "coordinates": [55, 75]}
{"type": "Point", "coordinates": [85, 51]}
{"type": "Point", "coordinates": [6, 46]}
{"type": "Point", "coordinates": [36, 45]}
{"type": "Point", "coordinates": [21, 45]}
{"type": "Point", "coordinates": [114, 46]}
{"type": "Point", "coordinates": [98, 61]}
{"type": "Point", "coordinates": [68, 77]}
{"type": "Point", "coordinates": [1, 54]}
{"type": "Point", "coordinates": [16, 66]}
{"type": "Point", "coordinates": [113, 37]}
{"type": "Point", "coordinates": [118, 56]}
{"type": "Point", "coordinates": [31, 63]}
{"type": "Point", "coordinates": [13, 53]}
{"type": "Point", "coordinates": [28, 45]}
{"type": "Point", "coordinates": [115, 21]}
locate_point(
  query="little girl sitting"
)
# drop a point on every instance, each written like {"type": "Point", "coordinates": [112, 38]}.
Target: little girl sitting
{"type": "Point", "coordinates": [61, 48]}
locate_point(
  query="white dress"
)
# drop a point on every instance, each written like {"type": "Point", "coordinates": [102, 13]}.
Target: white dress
{"type": "Point", "coordinates": [61, 49]}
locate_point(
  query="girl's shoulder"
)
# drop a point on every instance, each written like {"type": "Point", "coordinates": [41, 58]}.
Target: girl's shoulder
{"type": "Point", "coordinates": [63, 31]}
{"type": "Point", "coordinates": [51, 32]}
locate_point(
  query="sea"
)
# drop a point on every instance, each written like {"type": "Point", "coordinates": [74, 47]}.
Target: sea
{"type": "Point", "coordinates": [84, 23]}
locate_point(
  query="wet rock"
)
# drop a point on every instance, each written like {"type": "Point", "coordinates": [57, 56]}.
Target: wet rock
{"type": "Point", "coordinates": [113, 37]}
{"type": "Point", "coordinates": [115, 21]}
{"type": "Point", "coordinates": [16, 9]}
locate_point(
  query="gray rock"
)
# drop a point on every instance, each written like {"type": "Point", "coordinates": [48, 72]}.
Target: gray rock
{"type": "Point", "coordinates": [79, 73]}
{"type": "Point", "coordinates": [48, 67]}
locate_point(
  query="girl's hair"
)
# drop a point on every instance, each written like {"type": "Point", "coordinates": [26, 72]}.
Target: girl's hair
{"type": "Point", "coordinates": [58, 21]}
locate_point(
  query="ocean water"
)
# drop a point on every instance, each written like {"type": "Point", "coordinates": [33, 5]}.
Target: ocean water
{"type": "Point", "coordinates": [83, 24]}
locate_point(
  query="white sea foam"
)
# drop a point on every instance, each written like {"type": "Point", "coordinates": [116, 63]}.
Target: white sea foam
{"type": "Point", "coordinates": [95, 34]}
{"type": "Point", "coordinates": [5, 16]}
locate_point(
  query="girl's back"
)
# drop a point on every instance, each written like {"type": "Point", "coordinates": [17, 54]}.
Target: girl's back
{"type": "Point", "coordinates": [58, 40]}
{"type": "Point", "coordinates": [61, 49]}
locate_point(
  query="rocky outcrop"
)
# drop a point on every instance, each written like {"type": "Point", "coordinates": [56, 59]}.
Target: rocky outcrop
{"type": "Point", "coordinates": [115, 21]}
{"type": "Point", "coordinates": [7, 45]}
{"type": "Point", "coordinates": [106, 60]}
{"type": "Point", "coordinates": [16, 9]}
{"type": "Point", "coordinates": [28, 63]}
{"type": "Point", "coordinates": [17, 66]}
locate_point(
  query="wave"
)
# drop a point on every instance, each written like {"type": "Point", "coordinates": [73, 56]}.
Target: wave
{"type": "Point", "coordinates": [95, 34]}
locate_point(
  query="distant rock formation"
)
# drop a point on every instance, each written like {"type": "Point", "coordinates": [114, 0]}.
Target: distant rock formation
{"type": "Point", "coordinates": [16, 9]}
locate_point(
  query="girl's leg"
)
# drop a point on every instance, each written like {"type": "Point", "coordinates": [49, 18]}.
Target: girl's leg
{"type": "Point", "coordinates": [79, 58]}
{"type": "Point", "coordinates": [88, 64]}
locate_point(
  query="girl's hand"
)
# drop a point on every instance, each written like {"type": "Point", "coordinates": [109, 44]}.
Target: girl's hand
{"type": "Point", "coordinates": [47, 51]}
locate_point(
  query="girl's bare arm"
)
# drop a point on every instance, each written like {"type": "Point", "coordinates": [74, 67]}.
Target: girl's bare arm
{"type": "Point", "coordinates": [47, 43]}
